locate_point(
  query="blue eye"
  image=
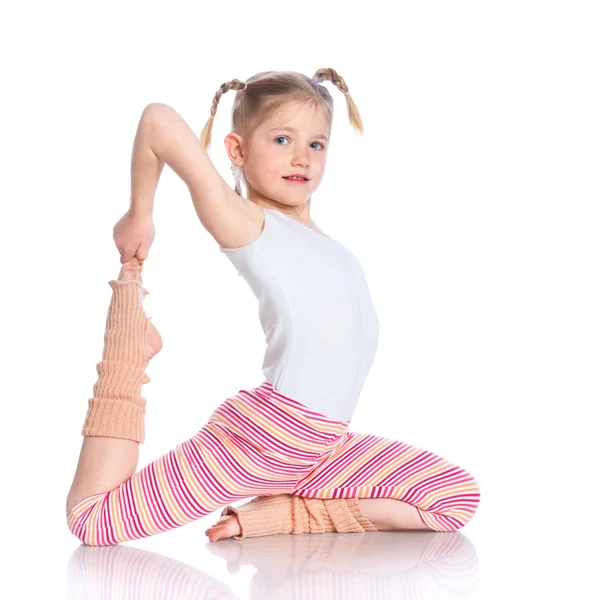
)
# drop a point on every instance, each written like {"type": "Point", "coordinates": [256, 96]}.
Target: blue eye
{"type": "Point", "coordinates": [284, 137]}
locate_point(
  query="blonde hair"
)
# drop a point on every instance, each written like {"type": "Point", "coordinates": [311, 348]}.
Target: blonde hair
{"type": "Point", "coordinates": [264, 93]}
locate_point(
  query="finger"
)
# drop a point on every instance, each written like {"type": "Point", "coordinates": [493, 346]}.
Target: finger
{"type": "Point", "coordinates": [142, 253]}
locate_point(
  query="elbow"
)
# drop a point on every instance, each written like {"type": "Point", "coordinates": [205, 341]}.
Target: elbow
{"type": "Point", "coordinates": [156, 106]}
{"type": "Point", "coordinates": [154, 109]}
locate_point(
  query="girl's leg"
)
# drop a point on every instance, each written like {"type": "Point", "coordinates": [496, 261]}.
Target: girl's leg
{"type": "Point", "coordinates": [227, 460]}
{"type": "Point", "coordinates": [393, 485]}
{"type": "Point", "coordinates": [417, 488]}
{"type": "Point", "coordinates": [114, 424]}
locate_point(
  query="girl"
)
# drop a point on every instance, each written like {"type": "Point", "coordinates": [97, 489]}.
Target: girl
{"type": "Point", "coordinates": [287, 441]}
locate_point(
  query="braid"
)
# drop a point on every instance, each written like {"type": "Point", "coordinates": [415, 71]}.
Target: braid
{"type": "Point", "coordinates": [332, 75]}
{"type": "Point", "coordinates": [206, 135]}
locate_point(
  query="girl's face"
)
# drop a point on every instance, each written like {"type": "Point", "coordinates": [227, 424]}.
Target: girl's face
{"type": "Point", "coordinates": [294, 140]}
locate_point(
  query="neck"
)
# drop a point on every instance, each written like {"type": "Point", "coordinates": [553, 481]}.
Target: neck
{"type": "Point", "coordinates": [301, 212]}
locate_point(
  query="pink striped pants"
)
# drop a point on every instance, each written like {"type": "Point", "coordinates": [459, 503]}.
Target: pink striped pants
{"type": "Point", "coordinates": [260, 442]}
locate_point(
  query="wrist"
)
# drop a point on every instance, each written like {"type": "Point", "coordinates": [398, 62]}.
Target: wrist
{"type": "Point", "coordinates": [139, 210]}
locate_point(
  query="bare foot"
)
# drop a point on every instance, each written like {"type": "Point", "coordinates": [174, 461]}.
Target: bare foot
{"type": "Point", "coordinates": [131, 270]}
{"type": "Point", "coordinates": [225, 527]}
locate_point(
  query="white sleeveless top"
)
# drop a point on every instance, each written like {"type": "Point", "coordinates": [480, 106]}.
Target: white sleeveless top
{"type": "Point", "coordinates": [316, 311]}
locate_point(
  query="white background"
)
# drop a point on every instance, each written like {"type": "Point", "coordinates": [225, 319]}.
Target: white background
{"type": "Point", "coordinates": [467, 200]}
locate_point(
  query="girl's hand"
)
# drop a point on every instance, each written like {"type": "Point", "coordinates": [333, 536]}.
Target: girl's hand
{"type": "Point", "coordinates": [133, 235]}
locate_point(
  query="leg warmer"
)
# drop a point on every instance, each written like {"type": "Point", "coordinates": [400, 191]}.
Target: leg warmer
{"type": "Point", "coordinates": [285, 513]}
{"type": "Point", "coordinates": [117, 409]}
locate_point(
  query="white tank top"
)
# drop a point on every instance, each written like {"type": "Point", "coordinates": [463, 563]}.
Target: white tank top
{"type": "Point", "coordinates": [316, 311]}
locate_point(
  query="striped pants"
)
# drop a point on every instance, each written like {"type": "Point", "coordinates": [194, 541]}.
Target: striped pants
{"type": "Point", "coordinates": [259, 443]}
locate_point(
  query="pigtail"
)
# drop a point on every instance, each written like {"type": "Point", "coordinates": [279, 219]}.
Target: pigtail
{"type": "Point", "coordinates": [206, 135]}
{"type": "Point", "coordinates": [353, 114]}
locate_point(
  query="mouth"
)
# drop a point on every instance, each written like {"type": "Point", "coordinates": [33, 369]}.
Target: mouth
{"type": "Point", "coordinates": [295, 180]}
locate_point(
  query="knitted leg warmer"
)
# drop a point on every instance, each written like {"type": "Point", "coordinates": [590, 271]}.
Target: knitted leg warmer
{"type": "Point", "coordinates": [117, 409]}
{"type": "Point", "coordinates": [285, 513]}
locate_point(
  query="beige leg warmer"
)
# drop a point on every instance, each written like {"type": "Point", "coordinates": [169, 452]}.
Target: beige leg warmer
{"type": "Point", "coordinates": [117, 409]}
{"type": "Point", "coordinates": [285, 513]}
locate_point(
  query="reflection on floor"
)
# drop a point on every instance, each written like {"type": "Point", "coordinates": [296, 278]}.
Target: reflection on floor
{"type": "Point", "coordinates": [375, 565]}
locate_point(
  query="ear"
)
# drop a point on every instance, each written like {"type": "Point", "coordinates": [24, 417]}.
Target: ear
{"type": "Point", "coordinates": [233, 143]}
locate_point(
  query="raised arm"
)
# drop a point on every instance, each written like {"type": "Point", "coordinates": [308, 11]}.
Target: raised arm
{"type": "Point", "coordinates": [162, 137]}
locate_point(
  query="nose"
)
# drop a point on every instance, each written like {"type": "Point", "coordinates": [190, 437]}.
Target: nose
{"type": "Point", "coordinates": [301, 158]}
